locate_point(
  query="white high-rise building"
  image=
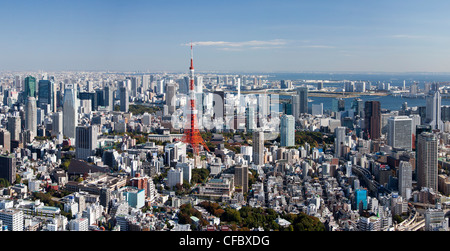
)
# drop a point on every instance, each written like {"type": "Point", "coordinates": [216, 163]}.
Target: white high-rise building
{"type": "Point", "coordinates": [12, 218]}
{"type": "Point", "coordinates": [339, 140]}
{"type": "Point", "coordinates": [287, 130]}
{"type": "Point", "coordinates": [434, 111]}
{"type": "Point", "coordinates": [258, 148]}
{"type": "Point", "coordinates": [427, 161]}
{"type": "Point", "coordinates": [405, 179]}
{"type": "Point", "coordinates": [31, 116]}
{"type": "Point", "coordinates": [174, 177]}
{"type": "Point", "coordinates": [400, 132]}
{"type": "Point", "coordinates": [70, 111]}
{"type": "Point", "coordinates": [57, 123]}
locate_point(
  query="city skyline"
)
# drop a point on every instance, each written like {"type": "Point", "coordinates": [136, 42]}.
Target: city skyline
{"type": "Point", "coordinates": [249, 36]}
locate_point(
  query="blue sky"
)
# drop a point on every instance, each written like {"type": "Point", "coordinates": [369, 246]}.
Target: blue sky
{"type": "Point", "coordinates": [229, 36]}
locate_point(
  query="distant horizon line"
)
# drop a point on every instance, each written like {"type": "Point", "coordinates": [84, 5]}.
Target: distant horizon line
{"type": "Point", "coordinates": [230, 72]}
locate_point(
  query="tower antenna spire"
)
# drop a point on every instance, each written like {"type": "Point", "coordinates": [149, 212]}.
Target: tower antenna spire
{"type": "Point", "coordinates": [192, 134]}
{"type": "Point", "coordinates": [192, 57]}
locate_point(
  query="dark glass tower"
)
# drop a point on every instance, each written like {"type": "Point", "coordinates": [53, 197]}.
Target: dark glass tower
{"type": "Point", "coordinates": [372, 120]}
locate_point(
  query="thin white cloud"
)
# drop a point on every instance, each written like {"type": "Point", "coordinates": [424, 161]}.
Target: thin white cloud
{"type": "Point", "coordinates": [318, 46]}
{"type": "Point", "coordinates": [405, 36]}
{"type": "Point", "coordinates": [254, 44]}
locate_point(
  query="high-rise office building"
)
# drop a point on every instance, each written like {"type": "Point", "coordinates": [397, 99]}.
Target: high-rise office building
{"type": "Point", "coordinates": [241, 177]}
{"type": "Point", "coordinates": [302, 92]}
{"type": "Point", "coordinates": [86, 141]}
{"type": "Point", "coordinates": [5, 140]}
{"type": "Point", "coordinates": [372, 120]}
{"type": "Point", "coordinates": [29, 87]}
{"type": "Point", "coordinates": [339, 141]}
{"type": "Point", "coordinates": [250, 118]}
{"type": "Point", "coordinates": [108, 98]}
{"type": "Point", "coordinates": [427, 161]}
{"type": "Point", "coordinates": [46, 94]}
{"type": "Point", "coordinates": [358, 107]}
{"type": "Point", "coordinates": [405, 179]}
{"type": "Point", "coordinates": [14, 126]}
{"type": "Point", "coordinates": [433, 111]}
{"type": "Point", "coordinates": [8, 168]}
{"type": "Point", "coordinates": [57, 123]}
{"type": "Point", "coordinates": [295, 100]}
{"type": "Point", "coordinates": [287, 130]}
{"type": "Point", "coordinates": [70, 111]}
{"type": "Point", "coordinates": [400, 132]}
{"type": "Point", "coordinates": [258, 148]}
{"type": "Point", "coordinates": [124, 104]}
{"type": "Point", "coordinates": [134, 86]}
{"type": "Point", "coordinates": [31, 115]}
{"type": "Point", "coordinates": [170, 97]}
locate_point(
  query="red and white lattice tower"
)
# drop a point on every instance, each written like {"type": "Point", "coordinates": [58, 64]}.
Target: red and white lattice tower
{"type": "Point", "coordinates": [192, 134]}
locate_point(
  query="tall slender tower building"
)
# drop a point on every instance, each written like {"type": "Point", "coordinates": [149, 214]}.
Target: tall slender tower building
{"type": "Point", "coordinates": [427, 161]}
{"type": "Point", "coordinates": [339, 141]}
{"type": "Point", "coordinates": [258, 147]}
{"type": "Point", "coordinates": [124, 104]}
{"type": "Point", "coordinates": [405, 179]}
{"type": "Point", "coordinates": [170, 97]}
{"type": "Point", "coordinates": [70, 111]}
{"type": "Point", "coordinates": [287, 130]}
{"type": "Point", "coordinates": [372, 120]}
{"type": "Point", "coordinates": [191, 132]}
{"type": "Point", "coordinates": [433, 111]}
{"type": "Point", "coordinates": [31, 115]}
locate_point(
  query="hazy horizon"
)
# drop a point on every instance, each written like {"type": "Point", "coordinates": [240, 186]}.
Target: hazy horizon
{"type": "Point", "coordinates": [232, 36]}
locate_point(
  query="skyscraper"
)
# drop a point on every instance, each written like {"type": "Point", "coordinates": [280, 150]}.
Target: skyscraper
{"type": "Point", "coordinates": [427, 161]}
{"type": "Point", "coordinates": [287, 130]}
{"type": "Point", "coordinates": [405, 179]}
{"type": "Point", "coordinates": [258, 147]}
{"type": "Point", "coordinates": [295, 99]}
{"type": "Point", "coordinates": [8, 168]}
{"type": "Point", "coordinates": [372, 120]}
{"type": "Point", "coordinates": [433, 111]}
{"type": "Point", "coordinates": [31, 115]}
{"type": "Point", "coordinates": [29, 87]}
{"type": "Point", "coordinates": [124, 105]}
{"type": "Point", "coordinates": [339, 141]}
{"type": "Point", "coordinates": [170, 97]}
{"type": "Point", "coordinates": [241, 177]}
{"type": "Point", "coordinates": [46, 94]}
{"type": "Point", "coordinates": [70, 111]}
{"type": "Point", "coordinates": [86, 141]}
{"type": "Point", "coordinates": [108, 98]}
{"type": "Point", "coordinates": [250, 118]}
{"type": "Point", "coordinates": [14, 126]}
{"type": "Point", "coordinates": [302, 92]}
{"type": "Point", "coordinates": [57, 123]}
{"type": "Point", "coordinates": [400, 132]}
{"type": "Point", "coordinates": [5, 140]}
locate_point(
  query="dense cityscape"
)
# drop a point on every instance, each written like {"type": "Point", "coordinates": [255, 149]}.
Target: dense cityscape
{"type": "Point", "coordinates": [293, 116]}
{"type": "Point", "coordinates": [102, 151]}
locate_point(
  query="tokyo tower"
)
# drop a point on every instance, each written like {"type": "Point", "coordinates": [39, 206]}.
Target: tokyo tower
{"type": "Point", "coordinates": [191, 132]}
